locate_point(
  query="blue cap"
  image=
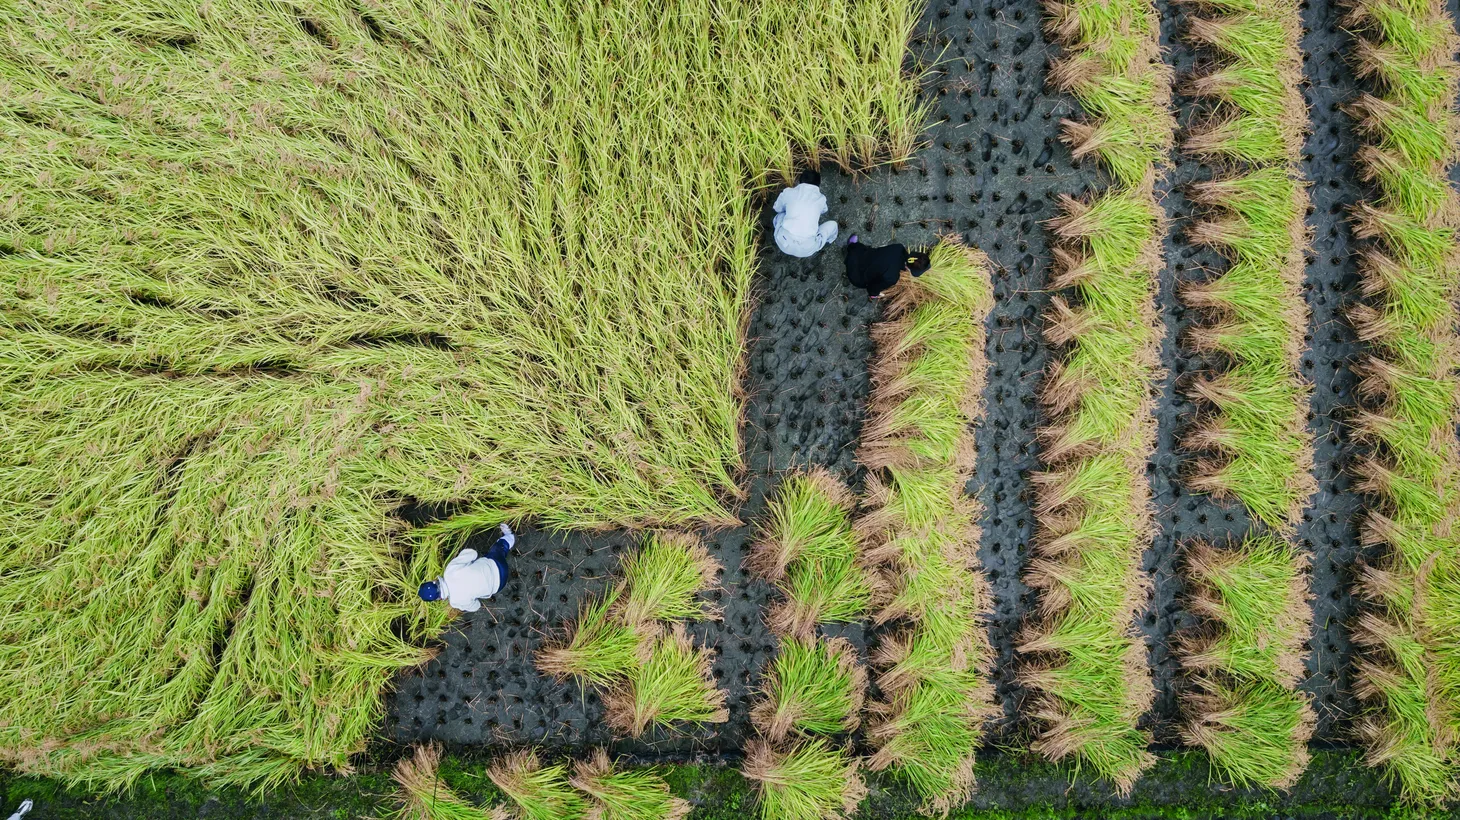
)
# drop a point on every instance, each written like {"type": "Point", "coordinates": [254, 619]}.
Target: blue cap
{"type": "Point", "coordinates": [430, 591]}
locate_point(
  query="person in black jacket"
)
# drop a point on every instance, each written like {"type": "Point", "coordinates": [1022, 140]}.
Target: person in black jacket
{"type": "Point", "coordinates": [877, 269]}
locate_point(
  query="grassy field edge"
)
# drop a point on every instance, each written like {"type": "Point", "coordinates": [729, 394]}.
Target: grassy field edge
{"type": "Point", "coordinates": [1011, 787]}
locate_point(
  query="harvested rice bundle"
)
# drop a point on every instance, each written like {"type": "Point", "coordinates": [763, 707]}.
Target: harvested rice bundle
{"type": "Point", "coordinates": [813, 687]}
{"type": "Point", "coordinates": [424, 797]}
{"type": "Point", "coordinates": [813, 780]}
{"type": "Point", "coordinates": [540, 792]}
{"type": "Point", "coordinates": [625, 794]}
{"type": "Point", "coordinates": [1085, 669]}
{"type": "Point", "coordinates": [618, 643]}
{"type": "Point", "coordinates": [1247, 660]}
{"type": "Point", "coordinates": [663, 578]}
{"type": "Point", "coordinates": [597, 647]}
{"type": "Point", "coordinates": [811, 551]}
{"type": "Point", "coordinates": [926, 391]}
{"type": "Point", "coordinates": [674, 684]}
{"type": "Point", "coordinates": [1409, 675]}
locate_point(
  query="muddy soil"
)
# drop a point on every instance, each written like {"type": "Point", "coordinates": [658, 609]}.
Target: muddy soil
{"type": "Point", "coordinates": [991, 173]}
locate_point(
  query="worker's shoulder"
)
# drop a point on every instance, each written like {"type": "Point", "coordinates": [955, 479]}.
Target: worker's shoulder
{"type": "Point", "coordinates": [805, 193]}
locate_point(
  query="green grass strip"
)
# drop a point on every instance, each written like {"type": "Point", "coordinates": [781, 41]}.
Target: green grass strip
{"type": "Point", "coordinates": [1086, 671]}
{"type": "Point", "coordinates": [927, 389]}
{"type": "Point", "coordinates": [1410, 675]}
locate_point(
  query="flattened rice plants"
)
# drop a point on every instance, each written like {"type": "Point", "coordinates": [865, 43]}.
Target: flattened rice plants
{"type": "Point", "coordinates": [269, 270]}
{"type": "Point", "coordinates": [927, 387]}
{"type": "Point", "coordinates": [1086, 669]}
{"type": "Point", "coordinates": [1410, 675]}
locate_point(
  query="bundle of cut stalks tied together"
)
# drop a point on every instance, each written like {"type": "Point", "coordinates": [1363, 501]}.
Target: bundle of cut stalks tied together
{"type": "Point", "coordinates": [631, 643]}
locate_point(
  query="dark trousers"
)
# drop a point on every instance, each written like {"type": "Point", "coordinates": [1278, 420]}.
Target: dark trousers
{"type": "Point", "coordinates": [498, 553]}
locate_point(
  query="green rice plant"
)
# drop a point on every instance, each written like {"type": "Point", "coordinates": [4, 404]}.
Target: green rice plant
{"type": "Point", "coordinates": [1410, 676]}
{"type": "Point", "coordinates": [926, 391]}
{"type": "Point", "coordinates": [424, 797]}
{"type": "Point", "coordinates": [812, 687]}
{"type": "Point", "coordinates": [672, 685]}
{"type": "Point", "coordinates": [539, 792]}
{"type": "Point", "coordinates": [268, 269]}
{"type": "Point", "coordinates": [1243, 707]}
{"type": "Point", "coordinates": [663, 578]}
{"type": "Point", "coordinates": [598, 647]}
{"type": "Point", "coordinates": [813, 780]}
{"type": "Point", "coordinates": [1084, 668]}
{"type": "Point", "coordinates": [625, 794]}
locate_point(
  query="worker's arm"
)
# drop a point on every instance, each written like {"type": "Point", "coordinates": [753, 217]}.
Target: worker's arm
{"type": "Point", "coordinates": [780, 206]}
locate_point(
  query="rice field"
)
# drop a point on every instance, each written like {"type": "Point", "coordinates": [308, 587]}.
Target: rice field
{"type": "Point", "coordinates": [1159, 454]}
{"type": "Point", "coordinates": [272, 272]}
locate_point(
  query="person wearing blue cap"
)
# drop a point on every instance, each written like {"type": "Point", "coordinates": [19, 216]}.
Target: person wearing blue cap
{"type": "Point", "coordinates": [470, 577]}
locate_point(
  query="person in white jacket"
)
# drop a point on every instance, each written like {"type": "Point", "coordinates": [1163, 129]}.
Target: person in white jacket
{"type": "Point", "coordinates": [470, 577]}
{"type": "Point", "coordinates": [798, 210]}
{"type": "Point", "coordinates": [22, 811]}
